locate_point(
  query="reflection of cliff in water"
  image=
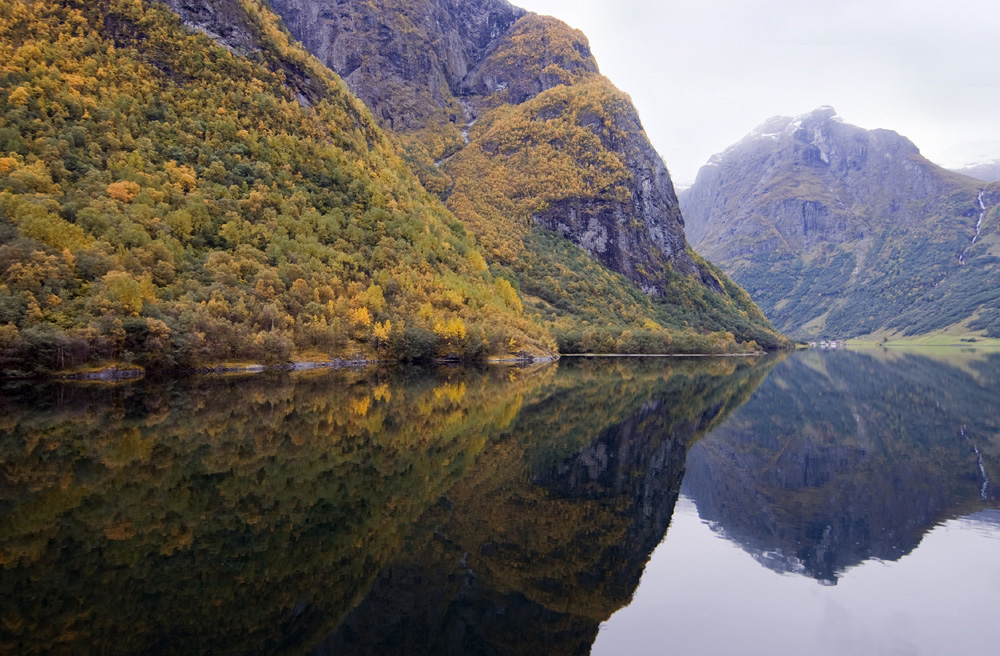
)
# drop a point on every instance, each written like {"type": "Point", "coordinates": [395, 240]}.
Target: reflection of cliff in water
{"type": "Point", "coordinates": [549, 533]}
{"type": "Point", "coordinates": [845, 457]}
{"type": "Point", "coordinates": [252, 514]}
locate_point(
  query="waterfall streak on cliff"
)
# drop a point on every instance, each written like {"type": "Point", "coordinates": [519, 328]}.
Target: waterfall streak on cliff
{"type": "Point", "coordinates": [979, 226]}
{"type": "Point", "coordinates": [465, 138]}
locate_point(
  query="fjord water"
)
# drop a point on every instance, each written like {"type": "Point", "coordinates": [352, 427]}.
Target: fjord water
{"type": "Point", "coordinates": [850, 507]}
{"type": "Point", "coordinates": [815, 503]}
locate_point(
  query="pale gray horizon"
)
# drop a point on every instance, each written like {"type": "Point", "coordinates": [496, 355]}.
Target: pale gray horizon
{"type": "Point", "coordinates": [704, 74]}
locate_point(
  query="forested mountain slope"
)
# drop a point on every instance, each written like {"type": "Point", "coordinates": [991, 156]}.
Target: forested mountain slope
{"type": "Point", "coordinates": [505, 114]}
{"type": "Point", "coordinates": [838, 231]}
{"type": "Point", "coordinates": [174, 202]}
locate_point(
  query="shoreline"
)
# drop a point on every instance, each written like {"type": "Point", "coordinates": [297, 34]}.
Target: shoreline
{"type": "Point", "coordinates": [114, 373]}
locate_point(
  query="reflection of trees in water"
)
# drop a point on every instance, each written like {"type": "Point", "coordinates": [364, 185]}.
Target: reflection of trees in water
{"type": "Point", "coordinates": [845, 457]}
{"type": "Point", "coordinates": [223, 515]}
{"type": "Point", "coordinates": [251, 514]}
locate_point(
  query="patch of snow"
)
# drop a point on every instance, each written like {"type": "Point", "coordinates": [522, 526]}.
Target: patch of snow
{"type": "Point", "coordinates": [794, 126]}
{"type": "Point", "coordinates": [776, 129]}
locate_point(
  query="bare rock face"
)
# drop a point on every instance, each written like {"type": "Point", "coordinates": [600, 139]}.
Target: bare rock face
{"type": "Point", "coordinates": [840, 231]}
{"type": "Point", "coordinates": [225, 21]}
{"type": "Point", "coordinates": [406, 60]}
{"type": "Point", "coordinates": [636, 236]}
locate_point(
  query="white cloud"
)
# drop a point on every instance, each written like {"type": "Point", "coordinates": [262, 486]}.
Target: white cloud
{"type": "Point", "coordinates": [705, 73]}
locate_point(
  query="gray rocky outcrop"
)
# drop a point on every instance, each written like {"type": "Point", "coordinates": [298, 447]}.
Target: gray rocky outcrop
{"type": "Point", "coordinates": [406, 60]}
{"type": "Point", "coordinates": [225, 21]}
{"type": "Point", "coordinates": [638, 236]}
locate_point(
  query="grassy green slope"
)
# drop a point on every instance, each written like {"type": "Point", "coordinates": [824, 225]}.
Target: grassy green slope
{"type": "Point", "coordinates": [904, 279]}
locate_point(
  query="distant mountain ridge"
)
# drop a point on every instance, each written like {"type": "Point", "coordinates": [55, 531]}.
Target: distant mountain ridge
{"type": "Point", "coordinates": [979, 160]}
{"type": "Point", "coordinates": [986, 171]}
{"type": "Point", "coordinates": [839, 231]}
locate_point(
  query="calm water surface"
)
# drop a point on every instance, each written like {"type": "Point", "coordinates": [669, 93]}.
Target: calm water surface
{"type": "Point", "coordinates": [838, 503]}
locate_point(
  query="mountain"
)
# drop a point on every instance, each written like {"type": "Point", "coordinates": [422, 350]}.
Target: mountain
{"type": "Point", "coordinates": [988, 171]}
{"type": "Point", "coordinates": [840, 231]}
{"type": "Point", "coordinates": [182, 185]}
{"type": "Point", "coordinates": [505, 114]}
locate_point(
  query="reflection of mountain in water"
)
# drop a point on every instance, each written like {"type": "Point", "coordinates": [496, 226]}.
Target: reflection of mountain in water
{"type": "Point", "coordinates": [468, 511]}
{"type": "Point", "coordinates": [551, 530]}
{"type": "Point", "coordinates": [845, 457]}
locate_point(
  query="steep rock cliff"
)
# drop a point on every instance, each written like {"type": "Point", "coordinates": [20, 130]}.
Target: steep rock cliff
{"type": "Point", "coordinates": [225, 21]}
{"type": "Point", "coordinates": [406, 59]}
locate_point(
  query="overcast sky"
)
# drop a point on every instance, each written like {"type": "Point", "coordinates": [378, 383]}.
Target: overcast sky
{"type": "Point", "coordinates": [703, 73]}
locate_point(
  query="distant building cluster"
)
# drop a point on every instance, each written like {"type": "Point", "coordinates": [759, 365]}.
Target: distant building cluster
{"type": "Point", "coordinates": [828, 344]}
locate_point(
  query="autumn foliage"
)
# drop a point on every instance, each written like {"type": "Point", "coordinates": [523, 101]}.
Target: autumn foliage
{"type": "Point", "coordinates": [167, 202]}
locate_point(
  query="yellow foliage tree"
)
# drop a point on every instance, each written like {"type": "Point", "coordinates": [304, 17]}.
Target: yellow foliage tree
{"type": "Point", "coordinates": [361, 317]}
{"type": "Point", "coordinates": [382, 331]}
{"type": "Point", "coordinates": [128, 293]}
{"type": "Point", "coordinates": [19, 97]}
{"type": "Point", "coordinates": [451, 329]}
{"type": "Point", "coordinates": [506, 292]}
